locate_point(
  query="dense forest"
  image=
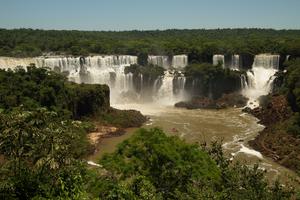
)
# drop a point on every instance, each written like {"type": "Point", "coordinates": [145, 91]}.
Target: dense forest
{"type": "Point", "coordinates": [44, 119]}
{"type": "Point", "coordinates": [43, 149]}
{"type": "Point", "coordinates": [39, 87]}
{"type": "Point", "coordinates": [198, 44]}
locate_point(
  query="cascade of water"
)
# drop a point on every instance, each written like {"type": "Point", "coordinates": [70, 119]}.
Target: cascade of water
{"type": "Point", "coordinates": [179, 61]}
{"type": "Point", "coordinates": [110, 70]}
{"type": "Point", "coordinates": [166, 94]}
{"type": "Point", "coordinates": [260, 77]}
{"type": "Point", "coordinates": [92, 69]}
{"type": "Point", "coordinates": [129, 81]}
{"type": "Point", "coordinates": [181, 86]}
{"type": "Point", "coordinates": [235, 62]}
{"type": "Point", "coordinates": [162, 61]}
{"type": "Point", "coordinates": [266, 61]}
{"type": "Point", "coordinates": [244, 82]}
{"type": "Point", "coordinates": [157, 84]}
{"type": "Point", "coordinates": [219, 59]}
{"type": "Point", "coordinates": [8, 62]}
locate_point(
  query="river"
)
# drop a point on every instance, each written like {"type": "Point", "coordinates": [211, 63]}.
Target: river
{"type": "Point", "coordinates": [231, 126]}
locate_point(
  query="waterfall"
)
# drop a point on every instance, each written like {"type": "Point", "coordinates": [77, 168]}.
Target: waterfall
{"type": "Point", "coordinates": [165, 92]}
{"type": "Point", "coordinates": [266, 61]}
{"type": "Point", "coordinates": [171, 89]}
{"type": "Point", "coordinates": [235, 62]}
{"type": "Point", "coordinates": [219, 59]}
{"type": "Point", "coordinates": [176, 61]}
{"type": "Point", "coordinates": [179, 61]}
{"type": "Point", "coordinates": [8, 62]}
{"type": "Point", "coordinates": [129, 81]}
{"type": "Point", "coordinates": [232, 62]}
{"type": "Point", "coordinates": [244, 82]}
{"type": "Point", "coordinates": [108, 69]}
{"type": "Point", "coordinates": [260, 78]}
{"type": "Point", "coordinates": [162, 61]}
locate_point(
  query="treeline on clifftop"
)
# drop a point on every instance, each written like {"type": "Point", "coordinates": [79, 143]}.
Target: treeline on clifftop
{"type": "Point", "coordinates": [40, 87]}
{"type": "Point", "coordinates": [150, 74]}
{"type": "Point", "coordinates": [199, 44]}
{"type": "Point", "coordinates": [211, 81]}
{"type": "Point", "coordinates": [34, 88]}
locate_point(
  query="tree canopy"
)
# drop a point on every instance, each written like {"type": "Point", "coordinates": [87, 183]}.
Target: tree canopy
{"type": "Point", "coordinates": [199, 44]}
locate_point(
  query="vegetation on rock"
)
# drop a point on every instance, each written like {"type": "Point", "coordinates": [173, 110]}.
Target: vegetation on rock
{"type": "Point", "coordinates": [39, 87]}
{"type": "Point", "coordinates": [227, 100]}
{"type": "Point", "coordinates": [150, 73]}
{"type": "Point", "coordinates": [211, 81]}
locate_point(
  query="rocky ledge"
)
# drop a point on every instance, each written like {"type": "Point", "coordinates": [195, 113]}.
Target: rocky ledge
{"type": "Point", "coordinates": [274, 141]}
{"type": "Point", "coordinates": [274, 111]}
{"type": "Point", "coordinates": [227, 100]}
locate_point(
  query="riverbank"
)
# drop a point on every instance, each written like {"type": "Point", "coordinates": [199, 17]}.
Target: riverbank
{"type": "Point", "coordinates": [113, 124]}
{"type": "Point", "coordinates": [274, 141]}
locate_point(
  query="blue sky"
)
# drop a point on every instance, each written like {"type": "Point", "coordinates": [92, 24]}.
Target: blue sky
{"type": "Point", "coordinates": [149, 14]}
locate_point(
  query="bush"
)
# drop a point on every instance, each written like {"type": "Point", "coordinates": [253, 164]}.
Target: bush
{"type": "Point", "coordinates": [42, 155]}
{"type": "Point", "coordinates": [151, 165]}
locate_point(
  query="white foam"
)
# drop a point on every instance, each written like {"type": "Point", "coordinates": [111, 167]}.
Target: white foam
{"type": "Point", "coordinates": [252, 152]}
{"type": "Point", "coordinates": [93, 164]}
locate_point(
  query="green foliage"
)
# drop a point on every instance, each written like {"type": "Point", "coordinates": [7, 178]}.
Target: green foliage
{"type": "Point", "coordinates": [211, 81]}
{"type": "Point", "coordinates": [123, 118]}
{"type": "Point", "coordinates": [293, 82]}
{"type": "Point", "coordinates": [239, 181]}
{"type": "Point", "coordinates": [290, 87]}
{"type": "Point", "coordinates": [143, 59]}
{"type": "Point", "coordinates": [39, 87]}
{"type": "Point", "coordinates": [293, 125]}
{"type": "Point", "coordinates": [151, 71]}
{"type": "Point", "coordinates": [41, 154]}
{"type": "Point", "coordinates": [87, 99]}
{"type": "Point", "coordinates": [199, 44]}
{"type": "Point", "coordinates": [150, 74]}
{"type": "Point", "coordinates": [166, 164]}
{"type": "Point", "coordinates": [151, 165]}
{"type": "Point", "coordinates": [289, 83]}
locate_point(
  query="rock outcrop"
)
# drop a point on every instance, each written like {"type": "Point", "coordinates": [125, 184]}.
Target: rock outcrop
{"type": "Point", "coordinates": [227, 100]}
{"type": "Point", "coordinates": [274, 141]}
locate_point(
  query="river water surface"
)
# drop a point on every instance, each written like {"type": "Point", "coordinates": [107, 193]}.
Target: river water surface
{"type": "Point", "coordinates": [231, 126]}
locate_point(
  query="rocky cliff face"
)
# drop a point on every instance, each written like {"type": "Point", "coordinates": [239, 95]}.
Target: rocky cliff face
{"type": "Point", "coordinates": [275, 110]}
{"type": "Point", "coordinates": [274, 141]}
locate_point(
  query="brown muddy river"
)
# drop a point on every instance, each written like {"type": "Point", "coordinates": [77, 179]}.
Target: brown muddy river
{"type": "Point", "coordinates": [232, 126]}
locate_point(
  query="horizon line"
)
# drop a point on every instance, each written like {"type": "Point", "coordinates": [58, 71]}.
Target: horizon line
{"type": "Point", "coordinates": [146, 30]}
